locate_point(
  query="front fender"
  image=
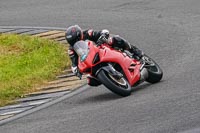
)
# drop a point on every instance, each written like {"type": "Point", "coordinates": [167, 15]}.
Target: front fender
{"type": "Point", "coordinates": [109, 69]}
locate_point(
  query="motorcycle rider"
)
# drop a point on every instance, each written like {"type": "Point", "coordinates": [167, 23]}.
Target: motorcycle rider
{"type": "Point", "coordinates": [74, 33]}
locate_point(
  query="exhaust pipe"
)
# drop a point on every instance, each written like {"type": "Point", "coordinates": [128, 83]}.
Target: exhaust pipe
{"type": "Point", "coordinates": [144, 74]}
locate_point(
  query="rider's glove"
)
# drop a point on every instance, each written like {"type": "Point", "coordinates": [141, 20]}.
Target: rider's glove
{"type": "Point", "coordinates": [76, 72]}
{"type": "Point", "coordinates": [103, 37]}
{"type": "Point", "coordinates": [105, 33]}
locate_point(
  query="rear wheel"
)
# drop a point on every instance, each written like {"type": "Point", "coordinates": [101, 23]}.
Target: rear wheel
{"type": "Point", "coordinates": [155, 73]}
{"type": "Point", "coordinates": [118, 86]}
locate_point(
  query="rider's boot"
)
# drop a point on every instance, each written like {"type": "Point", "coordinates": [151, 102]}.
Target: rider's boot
{"type": "Point", "coordinates": [137, 53]}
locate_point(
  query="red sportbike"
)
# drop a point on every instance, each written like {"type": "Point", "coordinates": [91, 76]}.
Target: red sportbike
{"type": "Point", "coordinates": [115, 69]}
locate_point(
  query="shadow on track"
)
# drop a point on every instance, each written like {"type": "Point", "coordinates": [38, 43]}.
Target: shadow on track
{"type": "Point", "coordinates": [144, 86]}
{"type": "Point", "coordinates": [141, 87]}
{"type": "Point", "coordinates": [108, 96]}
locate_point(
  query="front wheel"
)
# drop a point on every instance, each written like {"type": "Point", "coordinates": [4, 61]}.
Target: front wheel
{"type": "Point", "coordinates": [155, 73]}
{"type": "Point", "coordinates": [118, 86]}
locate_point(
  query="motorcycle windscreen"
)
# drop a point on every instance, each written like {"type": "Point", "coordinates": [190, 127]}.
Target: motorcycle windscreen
{"type": "Point", "coordinates": [82, 49]}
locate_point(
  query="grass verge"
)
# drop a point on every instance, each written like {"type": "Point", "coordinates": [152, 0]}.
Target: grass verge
{"type": "Point", "coordinates": [27, 62]}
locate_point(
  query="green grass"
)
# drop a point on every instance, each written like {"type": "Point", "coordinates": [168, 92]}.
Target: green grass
{"type": "Point", "coordinates": [27, 62]}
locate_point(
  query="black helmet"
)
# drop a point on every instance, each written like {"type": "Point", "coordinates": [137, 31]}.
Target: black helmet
{"type": "Point", "coordinates": [73, 34]}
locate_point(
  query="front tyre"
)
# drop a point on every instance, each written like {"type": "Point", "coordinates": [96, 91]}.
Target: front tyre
{"type": "Point", "coordinates": [155, 73]}
{"type": "Point", "coordinates": [118, 86]}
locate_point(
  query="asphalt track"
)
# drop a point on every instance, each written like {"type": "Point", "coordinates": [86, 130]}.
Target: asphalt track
{"type": "Point", "coordinates": [167, 30]}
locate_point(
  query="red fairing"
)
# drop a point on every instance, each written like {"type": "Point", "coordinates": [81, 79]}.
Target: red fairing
{"type": "Point", "coordinates": [111, 55]}
{"type": "Point", "coordinates": [131, 67]}
{"type": "Point", "coordinates": [83, 66]}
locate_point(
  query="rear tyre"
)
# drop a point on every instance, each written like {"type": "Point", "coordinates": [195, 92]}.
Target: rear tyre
{"type": "Point", "coordinates": [118, 86]}
{"type": "Point", "coordinates": [155, 73]}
